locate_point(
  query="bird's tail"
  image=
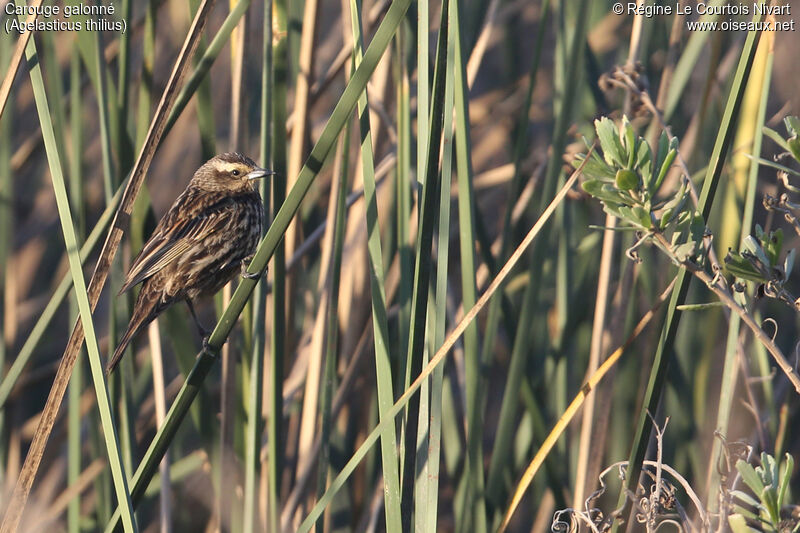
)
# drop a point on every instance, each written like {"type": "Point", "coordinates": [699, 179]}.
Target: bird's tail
{"type": "Point", "coordinates": [144, 312]}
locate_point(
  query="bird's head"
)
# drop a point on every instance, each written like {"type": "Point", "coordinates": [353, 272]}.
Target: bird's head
{"type": "Point", "coordinates": [230, 172]}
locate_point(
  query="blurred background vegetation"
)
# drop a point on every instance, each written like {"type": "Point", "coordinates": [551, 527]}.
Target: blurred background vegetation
{"type": "Point", "coordinates": [486, 103]}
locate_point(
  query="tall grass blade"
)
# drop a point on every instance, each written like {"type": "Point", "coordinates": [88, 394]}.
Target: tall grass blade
{"type": "Point", "coordinates": [427, 497]}
{"type": "Point", "coordinates": [252, 463]}
{"type": "Point", "coordinates": [36, 450]}
{"type": "Point", "coordinates": [473, 474]}
{"type": "Point", "coordinates": [476, 387]}
{"type": "Point", "coordinates": [156, 355]}
{"type": "Point", "coordinates": [332, 328]}
{"type": "Point", "coordinates": [17, 504]}
{"type": "Point", "coordinates": [74, 419]}
{"type": "Point", "coordinates": [758, 96]}
{"type": "Point", "coordinates": [521, 349]}
{"type": "Point", "coordinates": [427, 209]}
{"type": "Point", "coordinates": [380, 326]}
{"type": "Point", "coordinates": [403, 185]}
{"type": "Point", "coordinates": [280, 65]}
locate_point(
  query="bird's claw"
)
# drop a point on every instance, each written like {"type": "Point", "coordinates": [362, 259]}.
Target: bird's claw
{"type": "Point", "coordinates": [245, 274]}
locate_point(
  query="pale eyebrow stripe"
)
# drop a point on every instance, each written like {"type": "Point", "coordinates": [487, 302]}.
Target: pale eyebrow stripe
{"type": "Point", "coordinates": [227, 167]}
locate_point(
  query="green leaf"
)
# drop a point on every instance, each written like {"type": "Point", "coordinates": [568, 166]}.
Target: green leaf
{"type": "Point", "coordinates": [738, 266]}
{"type": "Point", "coordinates": [794, 147]}
{"type": "Point", "coordinates": [666, 218]}
{"type": "Point", "coordinates": [773, 246]}
{"type": "Point", "coordinates": [644, 164]}
{"type": "Point", "coordinates": [643, 215]}
{"type": "Point", "coordinates": [770, 468]}
{"type": "Point", "coordinates": [630, 141]}
{"type": "Point", "coordinates": [785, 477]}
{"type": "Point", "coordinates": [745, 498]}
{"type": "Point", "coordinates": [697, 227]}
{"type": "Point", "coordinates": [595, 168]}
{"type": "Point", "coordinates": [738, 524]}
{"type": "Point", "coordinates": [662, 173]}
{"type": "Point", "coordinates": [752, 245]}
{"type": "Point", "coordinates": [759, 232]}
{"type": "Point", "coordinates": [749, 476]}
{"type": "Point", "coordinates": [792, 124]}
{"type": "Point", "coordinates": [775, 136]}
{"type": "Point", "coordinates": [609, 141]}
{"type": "Point", "coordinates": [658, 159]}
{"type": "Point", "coordinates": [612, 209]}
{"type": "Point", "coordinates": [605, 192]}
{"type": "Point", "coordinates": [769, 497]}
{"type": "Point", "coordinates": [636, 215]}
{"type": "Point", "coordinates": [626, 179]}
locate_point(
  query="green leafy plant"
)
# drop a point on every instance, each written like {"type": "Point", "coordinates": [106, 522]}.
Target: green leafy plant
{"type": "Point", "coordinates": [767, 510]}
{"type": "Point", "coordinates": [628, 179]}
{"type": "Point", "coordinates": [759, 261]}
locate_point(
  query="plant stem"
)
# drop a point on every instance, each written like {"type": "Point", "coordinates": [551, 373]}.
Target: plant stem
{"type": "Point", "coordinates": [726, 298]}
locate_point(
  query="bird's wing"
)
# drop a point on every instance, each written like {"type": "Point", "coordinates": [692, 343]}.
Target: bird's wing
{"type": "Point", "coordinates": [185, 224]}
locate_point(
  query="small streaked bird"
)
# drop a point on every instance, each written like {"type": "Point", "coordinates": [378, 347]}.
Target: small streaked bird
{"type": "Point", "coordinates": [205, 238]}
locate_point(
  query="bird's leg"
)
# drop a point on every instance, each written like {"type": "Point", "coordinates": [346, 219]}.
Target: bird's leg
{"type": "Point", "coordinates": [203, 331]}
{"type": "Point", "coordinates": [245, 273]}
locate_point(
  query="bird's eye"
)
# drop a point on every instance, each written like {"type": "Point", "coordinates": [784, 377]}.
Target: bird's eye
{"type": "Point", "coordinates": [235, 172]}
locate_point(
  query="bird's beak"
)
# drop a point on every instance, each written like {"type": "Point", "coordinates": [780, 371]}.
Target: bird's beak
{"type": "Point", "coordinates": [258, 173]}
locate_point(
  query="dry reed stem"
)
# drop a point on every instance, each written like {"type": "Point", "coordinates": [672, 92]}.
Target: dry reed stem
{"type": "Point", "coordinates": [165, 514]}
{"type": "Point", "coordinates": [308, 422]}
{"type": "Point", "coordinates": [600, 337]}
